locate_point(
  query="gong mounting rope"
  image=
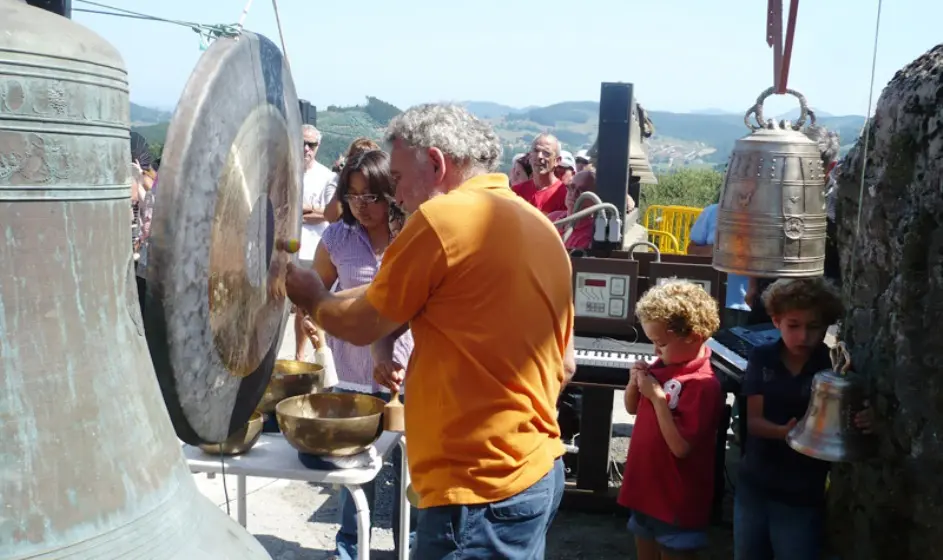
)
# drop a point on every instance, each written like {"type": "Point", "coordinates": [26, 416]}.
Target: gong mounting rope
{"type": "Point", "coordinates": [867, 138]}
{"type": "Point", "coordinates": [206, 32]}
{"type": "Point", "coordinates": [281, 36]}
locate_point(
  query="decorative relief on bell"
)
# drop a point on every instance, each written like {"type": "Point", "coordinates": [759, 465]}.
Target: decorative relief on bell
{"type": "Point", "coordinates": [794, 228]}
{"type": "Point", "coordinates": [34, 154]}
{"type": "Point", "coordinates": [12, 96]}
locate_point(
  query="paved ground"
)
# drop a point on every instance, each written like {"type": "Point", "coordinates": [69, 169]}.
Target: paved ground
{"type": "Point", "coordinates": [298, 521]}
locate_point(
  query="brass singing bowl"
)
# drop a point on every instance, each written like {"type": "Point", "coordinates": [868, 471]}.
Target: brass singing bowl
{"type": "Point", "coordinates": [239, 442]}
{"type": "Point", "coordinates": [332, 424]}
{"type": "Point", "coordinates": [289, 379]}
{"type": "Point", "coordinates": [412, 497]}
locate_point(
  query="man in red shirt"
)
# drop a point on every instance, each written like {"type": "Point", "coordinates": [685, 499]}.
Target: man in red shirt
{"type": "Point", "coordinates": [669, 473]}
{"type": "Point", "coordinates": [543, 190]}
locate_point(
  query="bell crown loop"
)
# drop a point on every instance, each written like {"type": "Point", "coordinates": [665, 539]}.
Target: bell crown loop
{"type": "Point", "coordinates": [841, 358]}
{"type": "Point", "coordinates": [757, 112]}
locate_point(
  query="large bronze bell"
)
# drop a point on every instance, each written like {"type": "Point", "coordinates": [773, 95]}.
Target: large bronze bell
{"type": "Point", "coordinates": [827, 431]}
{"type": "Point", "coordinates": [91, 467]}
{"type": "Point", "coordinates": [771, 217]}
{"type": "Point", "coordinates": [640, 128]}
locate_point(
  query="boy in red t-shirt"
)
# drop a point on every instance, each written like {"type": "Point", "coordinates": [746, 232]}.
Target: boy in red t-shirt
{"type": "Point", "coordinates": [669, 473]}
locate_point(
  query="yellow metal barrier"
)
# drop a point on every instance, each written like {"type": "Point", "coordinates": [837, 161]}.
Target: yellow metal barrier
{"type": "Point", "coordinates": [676, 221]}
{"type": "Point", "coordinates": [665, 242]}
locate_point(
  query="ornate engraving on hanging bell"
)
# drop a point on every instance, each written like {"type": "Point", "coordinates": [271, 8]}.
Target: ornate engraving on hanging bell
{"type": "Point", "coordinates": [771, 217]}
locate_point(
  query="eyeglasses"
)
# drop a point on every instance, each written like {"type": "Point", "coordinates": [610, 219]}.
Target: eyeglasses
{"type": "Point", "coordinates": [311, 145]}
{"type": "Point", "coordinates": [363, 199]}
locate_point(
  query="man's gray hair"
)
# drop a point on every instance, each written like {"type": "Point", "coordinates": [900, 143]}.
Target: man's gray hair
{"type": "Point", "coordinates": [829, 143]}
{"type": "Point", "coordinates": [310, 128]}
{"type": "Point", "coordinates": [462, 137]}
{"type": "Point", "coordinates": [546, 135]}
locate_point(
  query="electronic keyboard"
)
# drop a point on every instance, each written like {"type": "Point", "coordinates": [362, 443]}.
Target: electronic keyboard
{"type": "Point", "coordinates": [606, 361]}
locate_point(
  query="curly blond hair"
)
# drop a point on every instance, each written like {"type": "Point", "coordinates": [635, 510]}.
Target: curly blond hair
{"type": "Point", "coordinates": [804, 294]}
{"type": "Point", "coordinates": [684, 307]}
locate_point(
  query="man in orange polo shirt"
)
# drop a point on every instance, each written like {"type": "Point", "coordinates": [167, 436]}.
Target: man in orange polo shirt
{"type": "Point", "coordinates": [483, 280]}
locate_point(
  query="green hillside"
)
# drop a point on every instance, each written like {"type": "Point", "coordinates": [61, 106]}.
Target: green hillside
{"type": "Point", "coordinates": [680, 140]}
{"type": "Point", "coordinates": [141, 115]}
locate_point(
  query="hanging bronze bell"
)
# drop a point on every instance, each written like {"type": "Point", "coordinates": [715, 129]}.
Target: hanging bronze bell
{"type": "Point", "coordinates": [828, 431]}
{"type": "Point", "coordinates": [771, 216]}
{"type": "Point", "coordinates": [91, 467]}
{"type": "Point", "coordinates": [639, 163]}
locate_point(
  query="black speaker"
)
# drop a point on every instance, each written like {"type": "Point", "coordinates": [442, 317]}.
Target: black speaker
{"type": "Point", "coordinates": [309, 113]}
{"type": "Point", "coordinates": [612, 158]}
{"type": "Point", "coordinates": [60, 7]}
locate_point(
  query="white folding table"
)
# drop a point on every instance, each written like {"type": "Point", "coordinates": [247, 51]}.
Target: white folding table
{"type": "Point", "coordinates": [273, 457]}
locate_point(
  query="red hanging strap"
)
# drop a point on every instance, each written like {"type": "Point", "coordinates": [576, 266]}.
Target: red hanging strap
{"type": "Point", "coordinates": [774, 38]}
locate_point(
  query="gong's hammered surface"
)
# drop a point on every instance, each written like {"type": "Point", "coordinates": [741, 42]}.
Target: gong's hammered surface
{"type": "Point", "coordinates": [230, 186]}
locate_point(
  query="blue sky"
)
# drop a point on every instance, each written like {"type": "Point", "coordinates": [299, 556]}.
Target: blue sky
{"type": "Point", "coordinates": [682, 55]}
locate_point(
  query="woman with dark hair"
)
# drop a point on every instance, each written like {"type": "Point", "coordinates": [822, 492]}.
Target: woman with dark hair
{"type": "Point", "coordinates": [350, 253]}
{"type": "Point", "coordinates": [520, 169]}
{"type": "Point", "coordinates": [332, 213]}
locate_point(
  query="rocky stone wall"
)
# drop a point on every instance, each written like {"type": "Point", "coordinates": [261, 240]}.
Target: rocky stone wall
{"type": "Point", "coordinates": [892, 261]}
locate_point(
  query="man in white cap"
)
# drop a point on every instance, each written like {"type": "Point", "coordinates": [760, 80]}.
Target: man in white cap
{"type": "Point", "coordinates": [582, 160]}
{"type": "Point", "coordinates": [566, 168]}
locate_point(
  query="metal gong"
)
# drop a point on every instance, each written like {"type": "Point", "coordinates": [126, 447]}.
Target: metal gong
{"type": "Point", "coordinates": [230, 187]}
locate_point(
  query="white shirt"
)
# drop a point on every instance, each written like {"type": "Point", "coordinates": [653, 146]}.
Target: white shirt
{"type": "Point", "coordinates": [319, 186]}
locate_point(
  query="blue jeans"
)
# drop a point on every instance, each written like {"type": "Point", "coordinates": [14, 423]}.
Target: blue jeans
{"type": "Point", "coordinates": [666, 535]}
{"type": "Point", "coordinates": [764, 529]}
{"type": "Point", "coordinates": [512, 529]}
{"type": "Point", "coordinates": [346, 539]}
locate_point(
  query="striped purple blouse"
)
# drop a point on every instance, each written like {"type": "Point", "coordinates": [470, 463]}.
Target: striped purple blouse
{"type": "Point", "coordinates": [356, 265]}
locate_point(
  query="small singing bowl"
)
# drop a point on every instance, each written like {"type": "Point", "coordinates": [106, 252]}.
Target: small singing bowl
{"type": "Point", "coordinates": [332, 424]}
{"type": "Point", "coordinates": [239, 442]}
{"type": "Point", "coordinates": [290, 378]}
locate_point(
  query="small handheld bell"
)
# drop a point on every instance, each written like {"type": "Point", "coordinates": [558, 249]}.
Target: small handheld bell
{"type": "Point", "coordinates": [827, 431]}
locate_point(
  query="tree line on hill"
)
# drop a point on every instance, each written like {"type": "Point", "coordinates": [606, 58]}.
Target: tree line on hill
{"type": "Point", "coordinates": [684, 186]}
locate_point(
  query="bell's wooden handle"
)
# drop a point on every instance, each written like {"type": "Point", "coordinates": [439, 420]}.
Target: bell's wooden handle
{"type": "Point", "coordinates": [393, 415]}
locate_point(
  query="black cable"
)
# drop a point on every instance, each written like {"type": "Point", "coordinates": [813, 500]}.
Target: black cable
{"type": "Point", "coordinates": [222, 464]}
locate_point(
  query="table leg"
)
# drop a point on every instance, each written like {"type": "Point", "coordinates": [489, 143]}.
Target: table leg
{"type": "Point", "coordinates": [363, 520]}
{"type": "Point", "coordinates": [595, 439]}
{"type": "Point", "coordinates": [403, 505]}
{"type": "Point", "coordinates": [241, 504]}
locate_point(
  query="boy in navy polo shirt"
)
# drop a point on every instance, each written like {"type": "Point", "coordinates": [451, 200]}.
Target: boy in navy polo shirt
{"type": "Point", "coordinates": [779, 510]}
{"type": "Point", "coordinates": [669, 473]}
